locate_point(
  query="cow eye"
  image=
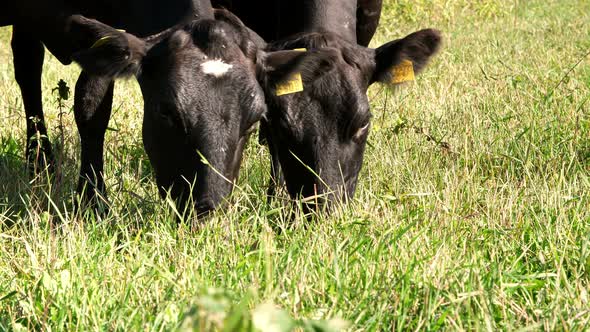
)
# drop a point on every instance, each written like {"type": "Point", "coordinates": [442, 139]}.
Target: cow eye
{"type": "Point", "coordinates": [361, 133]}
{"type": "Point", "coordinates": [358, 127]}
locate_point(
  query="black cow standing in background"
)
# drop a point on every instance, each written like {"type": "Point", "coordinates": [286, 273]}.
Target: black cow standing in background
{"type": "Point", "coordinates": [64, 32]}
{"type": "Point", "coordinates": [60, 26]}
{"type": "Point", "coordinates": [325, 127]}
{"type": "Point", "coordinates": [197, 77]}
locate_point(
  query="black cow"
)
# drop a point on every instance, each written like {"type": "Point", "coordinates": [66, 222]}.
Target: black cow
{"type": "Point", "coordinates": [197, 78]}
{"type": "Point", "coordinates": [275, 19]}
{"type": "Point", "coordinates": [318, 136]}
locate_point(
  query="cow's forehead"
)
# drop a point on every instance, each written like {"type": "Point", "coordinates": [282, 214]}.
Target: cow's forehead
{"type": "Point", "coordinates": [212, 35]}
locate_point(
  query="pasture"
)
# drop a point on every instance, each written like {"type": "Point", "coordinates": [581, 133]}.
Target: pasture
{"type": "Point", "coordinates": [472, 210]}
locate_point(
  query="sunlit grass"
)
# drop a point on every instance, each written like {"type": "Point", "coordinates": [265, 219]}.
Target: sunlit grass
{"type": "Point", "coordinates": [472, 210]}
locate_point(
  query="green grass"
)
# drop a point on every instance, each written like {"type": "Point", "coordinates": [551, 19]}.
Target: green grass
{"type": "Point", "coordinates": [472, 212]}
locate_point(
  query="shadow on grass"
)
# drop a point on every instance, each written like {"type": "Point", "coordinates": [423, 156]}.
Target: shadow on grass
{"type": "Point", "coordinates": [13, 180]}
{"type": "Point", "coordinates": [23, 195]}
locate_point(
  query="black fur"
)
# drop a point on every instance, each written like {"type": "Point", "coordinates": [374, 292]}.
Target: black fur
{"type": "Point", "coordinates": [113, 53]}
{"type": "Point", "coordinates": [190, 116]}
{"type": "Point", "coordinates": [188, 113]}
{"type": "Point", "coordinates": [317, 137]}
{"type": "Point", "coordinates": [275, 19]}
{"type": "Point", "coordinates": [70, 29]}
{"type": "Point", "coordinates": [194, 116]}
{"type": "Point", "coordinates": [417, 47]}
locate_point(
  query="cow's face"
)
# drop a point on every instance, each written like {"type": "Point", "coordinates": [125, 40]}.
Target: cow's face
{"type": "Point", "coordinates": [319, 134]}
{"type": "Point", "coordinates": [201, 102]}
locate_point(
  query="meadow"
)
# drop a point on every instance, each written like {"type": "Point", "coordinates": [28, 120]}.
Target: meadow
{"type": "Point", "coordinates": [472, 210]}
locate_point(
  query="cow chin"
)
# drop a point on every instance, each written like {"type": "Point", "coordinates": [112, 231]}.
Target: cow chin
{"type": "Point", "coordinates": [325, 182]}
{"type": "Point", "coordinates": [191, 184]}
{"type": "Point", "coordinates": [182, 173]}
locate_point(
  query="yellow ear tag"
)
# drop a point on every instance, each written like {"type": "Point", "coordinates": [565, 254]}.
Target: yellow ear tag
{"type": "Point", "coordinates": [403, 72]}
{"type": "Point", "coordinates": [101, 42]}
{"type": "Point", "coordinates": [104, 40]}
{"type": "Point", "coordinates": [293, 84]}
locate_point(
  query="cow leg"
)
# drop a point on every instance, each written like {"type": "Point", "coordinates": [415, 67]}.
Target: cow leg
{"type": "Point", "coordinates": [92, 109]}
{"type": "Point", "coordinates": [28, 53]}
{"type": "Point", "coordinates": [367, 19]}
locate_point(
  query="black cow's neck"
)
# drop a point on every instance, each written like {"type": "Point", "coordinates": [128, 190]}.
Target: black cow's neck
{"type": "Point", "coordinates": [278, 19]}
{"type": "Point", "coordinates": [147, 17]}
{"type": "Point", "coordinates": [142, 17]}
{"type": "Point", "coordinates": [325, 15]}
{"type": "Point", "coordinates": [336, 16]}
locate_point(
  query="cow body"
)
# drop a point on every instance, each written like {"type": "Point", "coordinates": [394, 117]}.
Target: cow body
{"type": "Point", "coordinates": [353, 20]}
{"type": "Point", "coordinates": [198, 79]}
{"type": "Point", "coordinates": [50, 21]}
{"type": "Point", "coordinates": [317, 136]}
{"type": "Point", "coordinates": [62, 26]}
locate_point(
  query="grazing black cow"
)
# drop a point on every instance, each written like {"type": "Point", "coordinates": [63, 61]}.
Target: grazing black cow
{"type": "Point", "coordinates": [209, 106]}
{"type": "Point", "coordinates": [64, 35]}
{"type": "Point", "coordinates": [197, 78]}
{"type": "Point", "coordinates": [317, 136]}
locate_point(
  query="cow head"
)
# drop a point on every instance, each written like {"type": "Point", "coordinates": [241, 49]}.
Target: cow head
{"type": "Point", "coordinates": [319, 134]}
{"type": "Point", "coordinates": [202, 101]}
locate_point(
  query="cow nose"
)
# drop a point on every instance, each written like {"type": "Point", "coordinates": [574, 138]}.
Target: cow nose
{"type": "Point", "coordinates": [205, 206]}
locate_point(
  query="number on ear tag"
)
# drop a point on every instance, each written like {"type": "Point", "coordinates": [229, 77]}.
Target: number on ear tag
{"type": "Point", "coordinates": [294, 84]}
{"type": "Point", "coordinates": [403, 72]}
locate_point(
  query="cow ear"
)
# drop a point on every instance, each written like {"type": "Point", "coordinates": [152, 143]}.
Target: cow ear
{"type": "Point", "coordinates": [415, 50]}
{"type": "Point", "coordinates": [103, 50]}
{"type": "Point", "coordinates": [279, 67]}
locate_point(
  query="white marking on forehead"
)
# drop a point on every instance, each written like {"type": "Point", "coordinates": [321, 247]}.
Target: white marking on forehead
{"type": "Point", "coordinates": [215, 67]}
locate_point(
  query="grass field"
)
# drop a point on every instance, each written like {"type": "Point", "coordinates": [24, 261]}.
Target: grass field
{"type": "Point", "coordinates": [472, 211]}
